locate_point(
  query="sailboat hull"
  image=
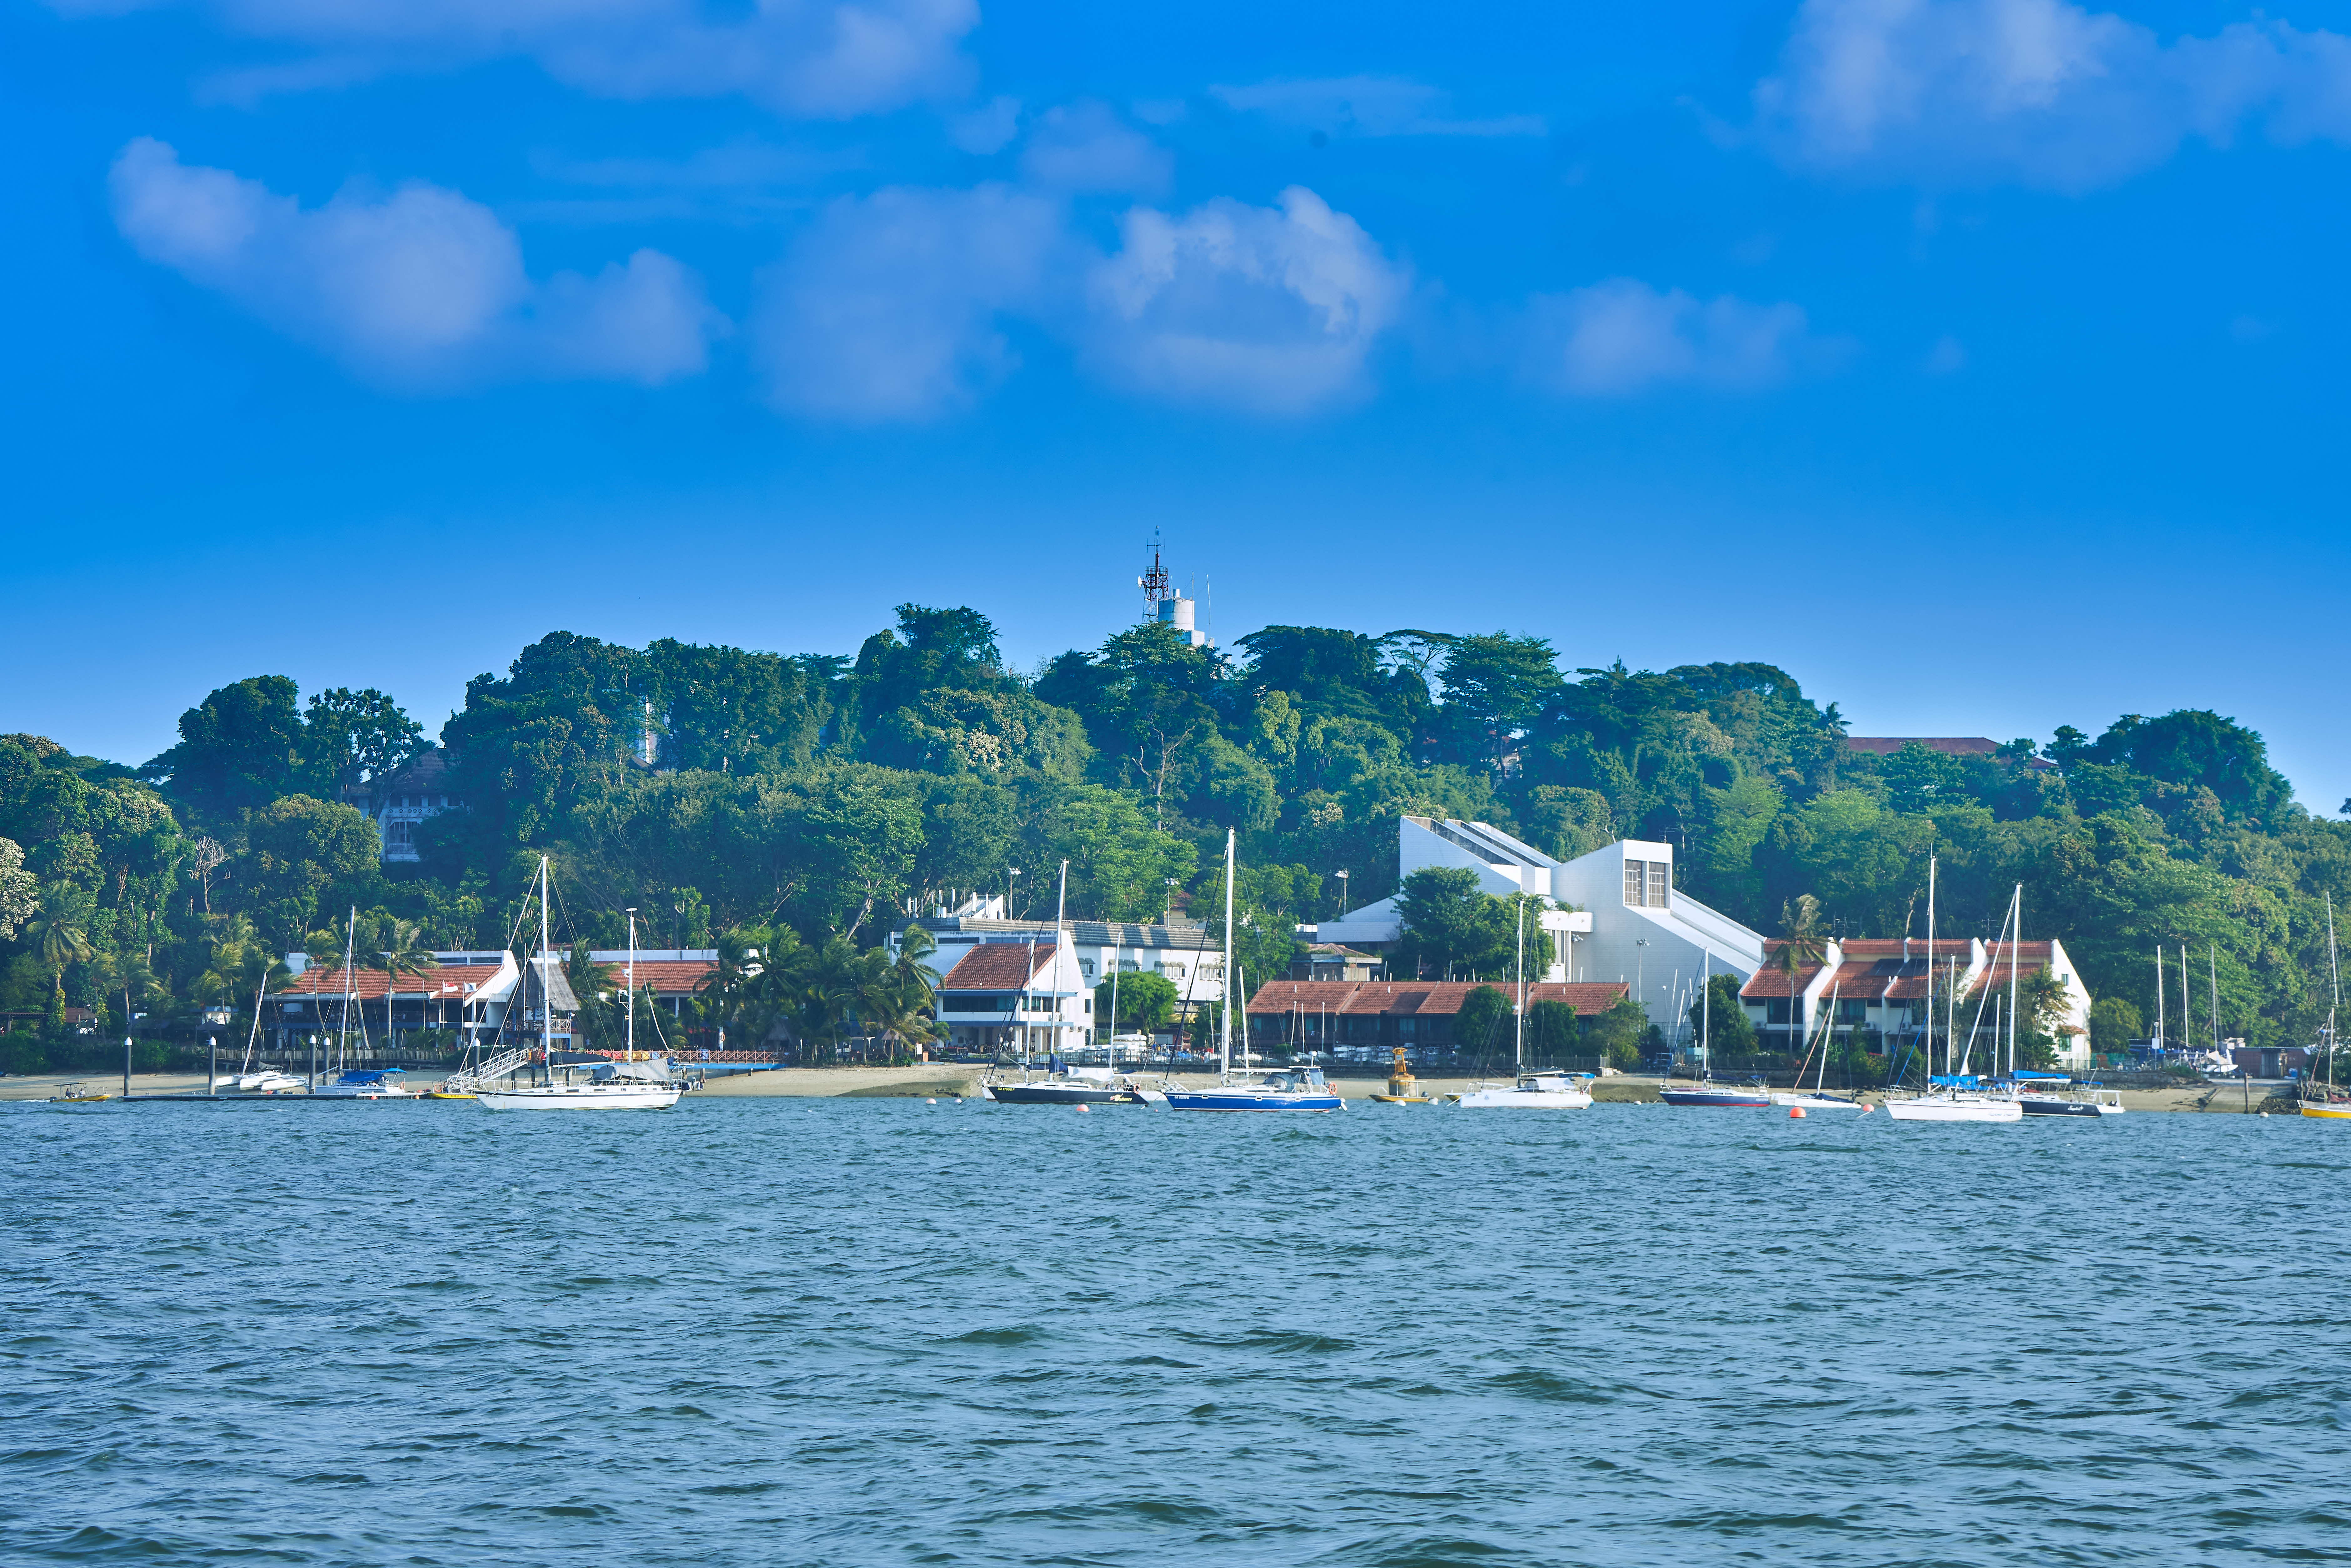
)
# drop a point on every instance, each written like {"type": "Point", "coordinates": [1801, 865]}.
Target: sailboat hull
{"type": "Point", "coordinates": [579, 1097]}
{"type": "Point", "coordinates": [1249, 1100]}
{"type": "Point", "coordinates": [2327, 1111]}
{"type": "Point", "coordinates": [1955, 1110]}
{"type": "Point", "coordinates": [2047, 1107]}
{"type": "Point", "coordinates": [1717, 1098]}
{"type": "Point", "coordinates": [1054, 1095]}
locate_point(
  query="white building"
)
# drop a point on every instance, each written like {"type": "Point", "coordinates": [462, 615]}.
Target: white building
{"type": "Point", "coordinates": [1619, 916]}
{"type": "Point", "coordinates": [1885, 985]}
{"type": "Point", "coordinates": [1188, 955]}
{"type": "Point", "coordinates": [1026, 997]}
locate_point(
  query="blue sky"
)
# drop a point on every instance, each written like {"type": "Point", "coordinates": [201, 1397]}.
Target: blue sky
{"type": "Point", "coordinates": [1977, 360]}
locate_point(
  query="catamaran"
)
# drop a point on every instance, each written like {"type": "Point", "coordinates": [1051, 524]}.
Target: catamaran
{"type": "Point", "coordinates": [1251, 1088]}
{"type": "Point", "coordinates": [1528, 1091]}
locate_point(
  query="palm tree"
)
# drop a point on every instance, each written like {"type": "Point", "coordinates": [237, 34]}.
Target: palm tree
{"type": "Point", "coordinates": [58, 938]}
{"type": "Point", "coordinates": [403, 952]}
{"type": "Point", "coordinates": [896, 1002]}
{"type": "Point", "coordinates": [1801, 946]}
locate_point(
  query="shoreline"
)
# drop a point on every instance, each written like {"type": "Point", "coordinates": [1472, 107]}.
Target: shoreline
{"type": "Point", "coordinates": [949, 1079]}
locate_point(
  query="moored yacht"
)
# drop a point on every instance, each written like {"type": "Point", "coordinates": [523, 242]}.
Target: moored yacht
{"type": "Point", "coordinates": [1249, 1088]}
{"type": "Point", "coordinates": [1531, 1092]}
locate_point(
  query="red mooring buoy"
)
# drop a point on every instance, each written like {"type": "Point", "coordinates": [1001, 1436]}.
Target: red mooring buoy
{"type": "Point", "coordinates": [1795, 1112]}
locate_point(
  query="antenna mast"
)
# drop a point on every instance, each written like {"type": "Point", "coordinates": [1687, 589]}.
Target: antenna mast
{"type": "Point", "coordinates": [1153, 583]}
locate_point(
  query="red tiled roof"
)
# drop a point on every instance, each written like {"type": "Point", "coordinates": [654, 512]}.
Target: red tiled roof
{"type": "Point", "coordinates": [997, 967]}
{"type": "Point", "coordinates": [667, 977]}
{"type": "Point", "coordinates": [1433, 999]}
{"type": "Point", "coordinates": [449, 980]}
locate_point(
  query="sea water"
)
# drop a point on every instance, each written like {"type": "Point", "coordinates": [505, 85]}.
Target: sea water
{"type": "Point", "coordinates": [778, 1332]}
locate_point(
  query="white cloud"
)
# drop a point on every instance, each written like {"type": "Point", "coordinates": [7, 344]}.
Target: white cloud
{"type": "Point", "coordinates": [1085, 147]}
{"type": "Point", "coordinates": [1624, 336]}
{"type": "Point", "coordinates": [418, 287]}
{"type": "Point", "coordinates": [824, 57]}
{"type": "Point", "coordinates": [2038, 91]}
{"type": "Point", "coordinates": [1271, 310]}
{"type": "Point", "coordinates": [990, 128]}
{"type": "Point", "coordinates": [889, 307]}
{"type": "Point", "coordinates": [1367, 106]}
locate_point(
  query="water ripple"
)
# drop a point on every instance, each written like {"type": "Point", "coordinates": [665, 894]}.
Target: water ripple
{"type": "Point", "coordinates": [750, 1332]}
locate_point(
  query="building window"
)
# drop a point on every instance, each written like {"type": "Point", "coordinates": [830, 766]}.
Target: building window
{"type": "Point", "coordinates": [1647, 883]}
{"type": "Point", "coordinates": [1853, 1009]}
{"type": "Point", "coordinates": [1775, 1010]}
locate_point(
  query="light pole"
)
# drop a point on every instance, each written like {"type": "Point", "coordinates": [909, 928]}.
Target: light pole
{"type": "Point", "coordinates": [1342, 893]}
{"type": "Point", "coordinates": [1010, 873]}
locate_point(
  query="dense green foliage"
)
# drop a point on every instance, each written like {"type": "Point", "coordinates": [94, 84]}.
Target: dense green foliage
{"type": "Point", "coordinates": [802, 804]}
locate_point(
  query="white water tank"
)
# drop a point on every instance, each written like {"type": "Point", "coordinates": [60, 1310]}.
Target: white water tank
{"type": "Point", "coordinates": [1177, 613]}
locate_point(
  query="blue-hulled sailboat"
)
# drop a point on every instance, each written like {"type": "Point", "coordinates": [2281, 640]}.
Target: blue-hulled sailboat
{"type": "Point", "coordinates": [1251, 1088]}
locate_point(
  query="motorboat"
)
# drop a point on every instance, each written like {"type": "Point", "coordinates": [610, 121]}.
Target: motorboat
{"type": "Point", "coordinates": [1531, 1092]}
{"type": "Point", "coordinates": [369, 1084]}
{"type": "Point", "coordinates": [79, 1094]}
{"type": "Point", "coordinates": [1260, 1089]}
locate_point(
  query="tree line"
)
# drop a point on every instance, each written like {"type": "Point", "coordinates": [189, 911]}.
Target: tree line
{"type": "Point", "coordinates": [730, 795]}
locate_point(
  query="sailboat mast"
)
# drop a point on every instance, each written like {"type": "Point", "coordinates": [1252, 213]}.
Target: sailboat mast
{"type": "Point", "coordinates": [633, 985]}
{"type": "Point", "coordinates": [343, 1032]}
{"type": "Point", "coordinates": [1060, 902]}
{"type": "Point", "coordinates": [1931, 980]}
{"type": "Point", "coordinates": [2015, 957]}
{"type": "Point", "coordinates": [545, 997]}
{"type": "Point", "coordinates": [1705, 1007]}
{"type": "Point", "coordinates": [2212, 962]}
{"type": "Point", "coordinates": [1224, 1031]}
{"type": "Point", "coordinates": [2159, 1041]}
{"type": "Point", "coordinates": [2334, 978]}
{"type": "Point", "coordinates": [1521, 1051]}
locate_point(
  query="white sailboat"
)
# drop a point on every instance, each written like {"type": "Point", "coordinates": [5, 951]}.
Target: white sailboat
{"type": "Point", "coordinates": [638, 1081]}
{"type": "Point", "coordinates": [1527, 1091]}
{"type": "Point", "coordinates": [1818, 1098]}
{"type": "Point", "coordinates": [1948, 1098]}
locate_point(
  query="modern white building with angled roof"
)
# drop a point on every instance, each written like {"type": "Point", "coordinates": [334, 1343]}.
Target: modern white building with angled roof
{"type": "Point", "coordinates": [1620, 916]}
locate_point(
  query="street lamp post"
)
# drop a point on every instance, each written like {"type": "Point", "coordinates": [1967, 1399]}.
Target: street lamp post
{"type": "Point", "coordinates": [1342, 893]}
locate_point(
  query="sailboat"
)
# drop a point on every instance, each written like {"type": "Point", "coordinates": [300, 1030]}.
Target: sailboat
{"type": "Point", "coordinates": [1818, 1098]}
{"type": "Point", "coordinates": [1705, 1092]}
{"type": "Point", "coordinates": [1951, 1097]}
{"type": "Point", "coordinates": [1528, 1091]}
{"type": "Point", "coordinates": [1062, 1083]}
{"type": "Point", "coordinates": [2326, 1105]}
{"type": "Point", "coordinates": [359, 1083]}
{"type": "Point", "coordinates": [639, 1081]}
{"type": "Point", "coordinates": [1251, 1088]}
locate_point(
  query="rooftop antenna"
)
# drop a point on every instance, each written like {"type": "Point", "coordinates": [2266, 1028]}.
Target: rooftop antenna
{"type": "Point", "coordinates": [1153, 583]}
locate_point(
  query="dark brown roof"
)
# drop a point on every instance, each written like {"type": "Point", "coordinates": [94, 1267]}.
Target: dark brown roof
{"type": "Point", "coordinates": [997, 967]}
{"type": "Point", "coordinates": [1407, 998]}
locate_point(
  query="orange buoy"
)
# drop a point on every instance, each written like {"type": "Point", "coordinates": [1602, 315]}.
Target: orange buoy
{"type": "Point", "coordinates": [1795, 1112]}
{"type": "Point", "coordinates": [1084, 1107]}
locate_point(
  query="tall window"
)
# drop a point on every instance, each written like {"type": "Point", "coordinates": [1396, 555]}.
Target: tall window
{"type": "Point", "coordinates": [1647, 883]}
{"type": "Point", "coordinates": [1661, 882]}
{"type": "Point", "coordinates": [1633, 880]}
